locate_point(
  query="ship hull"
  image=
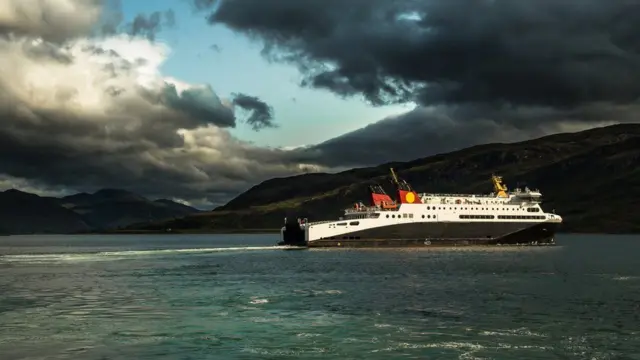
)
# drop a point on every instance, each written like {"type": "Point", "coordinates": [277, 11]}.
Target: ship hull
{"type": "Point", "coordinates": [431, 234]}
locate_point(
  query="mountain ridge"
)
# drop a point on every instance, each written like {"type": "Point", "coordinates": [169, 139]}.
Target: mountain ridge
{"type": "Point", "coordinates": [573, 170]}
{"type": "Point", "coordinates": [106, 209]}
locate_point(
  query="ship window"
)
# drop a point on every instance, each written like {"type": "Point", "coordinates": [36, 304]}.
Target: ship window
{"type": "Point", "coordinates": [342, 224]}
{"type": "Point", "coordinates": [428, 207]}
{"type": "Point", "coordinates": [354, 223]}
{"type": "Point", "coordinates": [387, 216]}
{"type": "Point", "coordinates": [410, 216]}
{"type": "Point", "coordinates": [423, 216]}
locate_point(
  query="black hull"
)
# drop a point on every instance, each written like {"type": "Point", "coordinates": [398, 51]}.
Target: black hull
{"type": "Point", "coordinates": [430, 234]}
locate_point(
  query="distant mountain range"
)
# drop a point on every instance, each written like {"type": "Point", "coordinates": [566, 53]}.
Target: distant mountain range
{"type": "Point", "coordinates": [107, 209]}
{"type": "Point", "coordinates": [591, 178]}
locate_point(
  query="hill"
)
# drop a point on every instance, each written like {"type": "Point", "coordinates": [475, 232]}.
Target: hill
{"type": "Point", "coordinates": [25, 213]}
{"type": "Point", "coordinates": [113, 208]}
{"type": "Point", "coordinates": [107, 209]}
{"type": "Point", "coordinates": [591, 178]}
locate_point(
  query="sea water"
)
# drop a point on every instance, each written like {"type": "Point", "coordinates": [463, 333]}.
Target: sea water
{"type": "Point", "coordinates": [239, 297]}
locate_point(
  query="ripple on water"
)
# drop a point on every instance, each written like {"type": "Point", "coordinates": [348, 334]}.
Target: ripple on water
{"type": "Point", "coordinates": [457, 304]}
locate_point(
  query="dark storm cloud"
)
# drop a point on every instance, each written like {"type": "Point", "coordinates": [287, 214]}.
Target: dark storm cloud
{"type": "Point", "coordinates": [544, 52]}
{"type": "Point", "coordinates": [201, 104]}
{"type": "Point", "coordinates": [261, 114]}
{"type": "Point", "coordinates": [479, 70]}
{"type": "Point", "coordinates": [429, 131]}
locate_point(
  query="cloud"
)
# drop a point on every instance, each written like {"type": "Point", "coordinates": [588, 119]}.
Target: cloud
{"type": "Point", "coordinates": [87, 112]}
{"type": "Point", "coordinates": [442, 129]}
{"type": "Point", "coordinates": [479, 70]}
{"type": "Point", "coordinates": [261, 113]}
{"type": "Point", "coordinates": [546, 52]}
{"type": "Point", "coordinates": [53, 20]}
{"type": "Point", "coordinates": [84, 104]}
{"type": "Point", "coordinates": [149, 26]}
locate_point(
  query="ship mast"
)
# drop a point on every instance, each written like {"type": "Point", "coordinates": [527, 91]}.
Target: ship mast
{"type": "Point", "coordinates": [401, 184]}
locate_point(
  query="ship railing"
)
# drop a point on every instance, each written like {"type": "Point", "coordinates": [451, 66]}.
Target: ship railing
{"type": "Point", "coordinates": [362, 210]}
{"type": "Point", "coordinates": [319, 222]}
{"type": "Point", "coordinates": [459, 195]}
{"type": "Point", "coordinates": [526, 190]}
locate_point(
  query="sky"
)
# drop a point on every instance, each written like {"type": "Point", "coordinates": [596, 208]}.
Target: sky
{"type": "Point", "coordinates": [230, 63]}
{"type": "Point", "coordinates": [199, 100]}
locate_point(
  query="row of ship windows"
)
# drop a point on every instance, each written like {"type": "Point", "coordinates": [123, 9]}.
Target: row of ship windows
{"type": "Point", "coordinates": [538, 217]}
{"type": "Point", "coordinates": [351, 223]}
{"type": "Point", "coordinates": [480, 208]}
{"type": "Point", "coordinates": [410, 216]}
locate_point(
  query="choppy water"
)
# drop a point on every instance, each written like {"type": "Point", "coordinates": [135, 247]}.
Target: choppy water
{"type": "Point", "coordinates": [236, 297]}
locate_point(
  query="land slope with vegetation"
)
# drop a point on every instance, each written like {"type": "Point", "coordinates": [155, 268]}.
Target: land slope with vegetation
{"type": "Point", "coordinates": [107, 209]}
{"type": "Point", "coordinates": [591, 178]}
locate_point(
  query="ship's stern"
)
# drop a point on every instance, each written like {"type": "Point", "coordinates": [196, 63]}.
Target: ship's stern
{"type": "Point", "coordinates": [293, 233]}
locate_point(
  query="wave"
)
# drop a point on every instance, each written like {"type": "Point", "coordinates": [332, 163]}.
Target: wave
{"type": "Point", "coordinates": [118, 255]}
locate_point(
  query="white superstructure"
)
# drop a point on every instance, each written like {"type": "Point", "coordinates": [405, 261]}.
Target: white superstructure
{"type": "Point", "coordinates": [434, 216]}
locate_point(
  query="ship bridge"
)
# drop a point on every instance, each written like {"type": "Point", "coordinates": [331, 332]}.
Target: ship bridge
{"type": "Point", "coordinates": [528, 195]}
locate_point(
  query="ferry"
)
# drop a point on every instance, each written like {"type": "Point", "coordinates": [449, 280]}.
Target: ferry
{"type": "Point", "coordinates": [414, 219]}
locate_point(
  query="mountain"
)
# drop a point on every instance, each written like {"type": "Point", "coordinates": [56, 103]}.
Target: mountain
{"type": "Point", "coordinates": [177, 207]}
{"type": "Point", "coordinates": [114, 208]}
{"type": "Point", "coordinates": [591, 178]}
{"type": "Point", "coordinates": [25, 213]}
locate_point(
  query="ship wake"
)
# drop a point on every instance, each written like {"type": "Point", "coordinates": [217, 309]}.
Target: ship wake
{"type": "Point", "coordinates": [123, 255]}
